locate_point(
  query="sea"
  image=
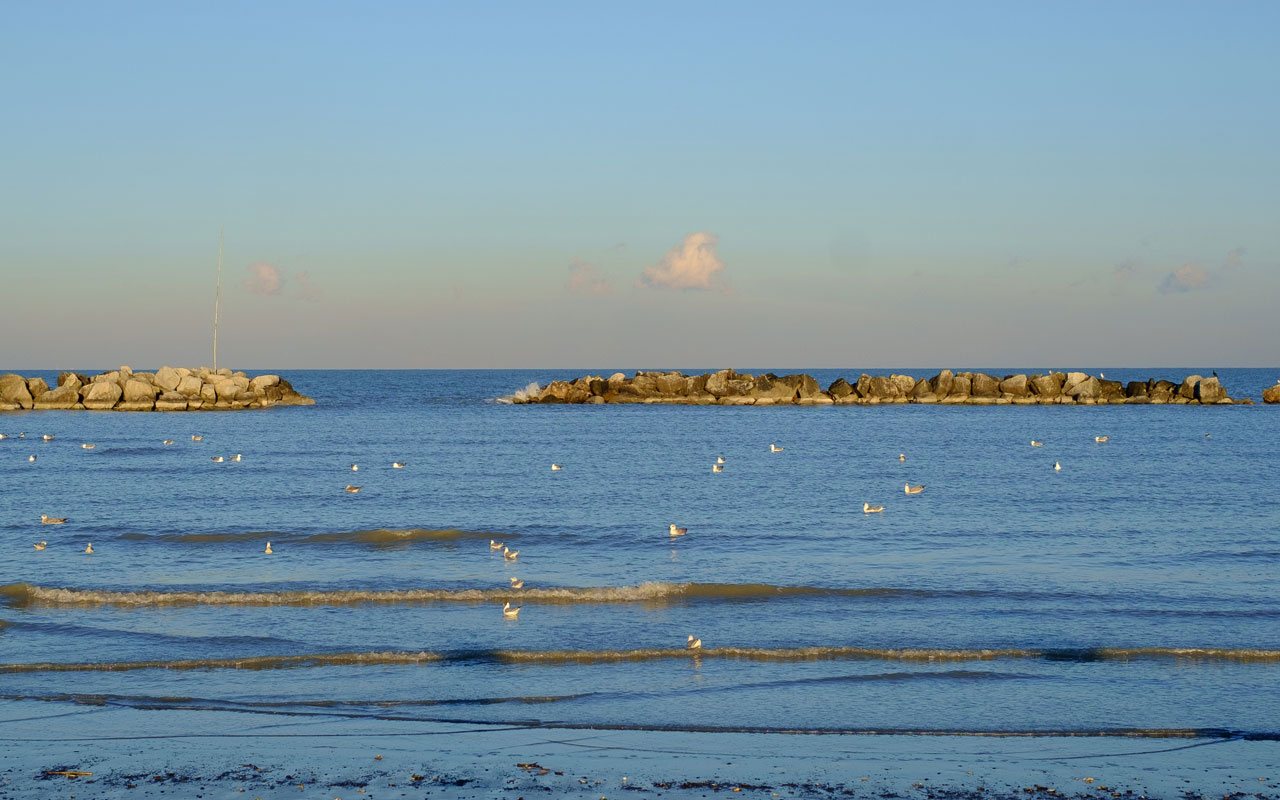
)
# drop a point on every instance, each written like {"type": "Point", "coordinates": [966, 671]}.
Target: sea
{"type": "Point", "coordinates": [1134, 591]}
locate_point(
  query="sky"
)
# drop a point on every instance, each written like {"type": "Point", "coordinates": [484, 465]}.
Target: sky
{"type": "Point", "coordinates": [657, 185]}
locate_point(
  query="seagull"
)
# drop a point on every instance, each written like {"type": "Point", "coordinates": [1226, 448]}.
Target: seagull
{"type": "Point", "coordinates": [4, 436]}
{"type": "Point", "coordinates": [397, 465]}
{"type": "Point", "coordinates": [88, 548]}
{"type": "Point", "coordinates": [41, 545]}
{"type": "Point", "coordinates": [23, 435]}
{"type": "Point", "coordinates": [216, 459]}
{"type": "Point", "coordinates": [1034, 443]}
{"type": "Point", "coordinates": [717, 467]}
{"type": "Point", "coordinates": [167, 442]}
{"type": "Point", "coordinates": [678, 531]}
{"type": "Point", "coordinates": [510, 613]}
{"type": "Point", "coordinates": [31, 458]}
{"type": "Point", "coordinates": [867, 508]}
{"type": "Point", "coordinates": [1057, 467]}
{"type": "Point", "coordinates": [510, 554]}
{"type": "Point", "coordinates": [195, 438]}
{"type": "Point", "coordinates": [556, 467]}
{"type": "Point", "coordinates": [495, 545]}
{"type": "Point", "coordinates": [268, 551]}
{"type": "Point", "coordinates": [693, 644]}
{"type": "Point", "coordinates": [720, 460]}
{"type": "Point", "coordinates": [48, 437]}
{"type": "Point", "coordinates": [902, 456]}
{"type": "Point", "coordinates": [1102, 374]}
{"type": "Point", "coordinates": [1101, 439]}
{"type": "Point", "coordinates": [45, 519]}
{"type": "Point", "coordinates": [773, 448]}
{"type": "Point", "coordinates": [352, 489]}
{"type": "Point", "coordinates": [355, 467]}
{"type": "Point", "coordinates": [88, 446]}
{"type": "Point", "coordinates": [909, 489]}
{"type": "Point", "coordinates": [1208, 436]}
{"type": "Point", "coordinates": [516, 583]}
{"type": "Point", "coordinates": [236, 457]}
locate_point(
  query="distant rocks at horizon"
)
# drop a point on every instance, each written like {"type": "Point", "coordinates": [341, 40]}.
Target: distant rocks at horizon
{"type": "Point", "coordinates": [166, 389]}
{"type": "Point", "coordinates": [730, 388]}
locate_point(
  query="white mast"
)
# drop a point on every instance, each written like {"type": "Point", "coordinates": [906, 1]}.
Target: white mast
{"type": "Point", "coordinates": [217, 300]}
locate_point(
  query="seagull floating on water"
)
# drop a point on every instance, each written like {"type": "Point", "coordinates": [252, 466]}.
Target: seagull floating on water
{"type": "Point", "coordinates": [45, 519]}
{"type": "Point", "coordinates": [397, 465]}
{"type": "Point", "coordinates": [268, 551]}
{"type": "Point", "coordinates": [88, 446]}
{"type": "Point", "coordinates": [216, 459]}
{"type": "Point", "coordinates": [1034, 443]}
{"type": "Point", "coordinates": [195, 438]}
{"type": "Point", "coordinates": [909, 489]}
{"type": "Point", "coordinates": [720, 459]}
{"type": "Point", "coordinates": [1057, 467]}
{"type": "Point", "coordinates": [41, 545]}
{"type": "Point", "coordinates": [88, 548]}
{"type": "Point", "coordinates": [717, 467]}
{"type": "Point", "coordinates": [510, 613]}
{"type": "Point", "coordinates": [556, 467]}
{"type": "Point", "coordinates": [495, 545]}
{"type": "Point", "coordinates": [773, 448]}
{"type": "Point", "coordinates": [236, 457]}
{"type": "Point", "coordinates": [692, 643]}
{"type": "Point", "coordinates": [355, 467]}
{"type": "Point", "coordinates": [510, 554]}
{"type": "Point", "coordinates": [1101, 439]}
{"type": "Point", "coordinates": [678, 531]}
{"type": "Point", "coordinates": [516, 583]}
{"type": "Point", "coordinates": [167, 442]}
{"type": "Point", "coordinates": [902, 456]}
{"type": "Point", "coordinates": [867, 508]}
{"type": "Point", "coordinates": [31, 458]}
{"type": "Point", "coordinates": [48, 437]}
{"type": "Point", "coordinates": [352, 489]}
{"type": "Point", "coordinates": [4, 436]}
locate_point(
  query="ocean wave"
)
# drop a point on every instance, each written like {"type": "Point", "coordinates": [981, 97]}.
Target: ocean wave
{"type": "Point", "coordinates": [375, 536]}
{"type": "Point", "coordinates": [578, 657]}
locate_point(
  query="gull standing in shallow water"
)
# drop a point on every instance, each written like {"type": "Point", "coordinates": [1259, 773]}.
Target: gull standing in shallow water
{"type": "Point", "coordinates": [510, 613]}
{"type": "Point", "coordinates": [693, 644]}
{"type": "Point", "coordinates": [516, 583]}
{"type": "Point", "coordinates": [867, 508]}
{"type": "Point", "coordinates": [45, 519]}
{"type": "Point", "coordinates": [909, 489]}
{"type": "Point", "coordinates": [678, 531]}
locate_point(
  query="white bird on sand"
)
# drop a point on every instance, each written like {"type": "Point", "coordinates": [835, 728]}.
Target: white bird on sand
{"type": "Point", "coordinates": [1057, 467]}
{"type": "Point", "coordinates": [41, 545]}
{"type": "Point", "coordinates": [495, 545]}
{"type": "Point", "coordinates": [45, 519]}
{"type": "Point", "coordinates": [236, 457]}
{"type": "Point", "coordinates": [1034, 443]}
{"type": "Point", "coordinates": [717, 467]}
{"type": "Point", "coordinates": [352, 489]}
{"type": "Point", "coordinates": [510, 613]}
{"type": "Point", "coordinates": [88, 446]}
{"type": "Point", "coordinates": [195, 438]}
{"type": "Point", "coordinates": [510, 554]}
{"type": "Point", "coordinates": [867, 508]}
{"type": "Point", "coordinates": [909, 489]}
{"type": "Point", "coordinates": [678, 531]}
{"type": "Point", "coordinates": [516, 583]}
{"type": "Point", "coordinates": [88, 548]}
{"type": "Point", "coordinates": [719, 459]}
{"type": "Point", "coordinates": [1101, 439]}
{"type": "Point", "coordinates": [31, 458]}
{"type": "Point", "coordinates": [355, 467]}
{"type": "Point", "coordinates": [556, 467]}
{"type": "Point", "coordinates": [397, 465]}
{"type": "Point", "coordinates": [48, 437]}
{"type": "Point", "coordinates": [693, 644]}
{"type": "Point", "coordinates": [216, 459]}
{"type": "Point", "coordinates": [268, 551]}
{"type": "Point", "coordinates": [167, 442]}
{"type": "Point", "coordinates": [773, 448]}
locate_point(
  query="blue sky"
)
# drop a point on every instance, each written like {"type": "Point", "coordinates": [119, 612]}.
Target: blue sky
{"type": "Point", "coordinates": [561, 185]}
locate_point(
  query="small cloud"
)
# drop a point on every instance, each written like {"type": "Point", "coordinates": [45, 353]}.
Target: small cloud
{"type": "Point", "coordinates": [692, 264]}
{"type": "Point", "coordinates": [306, 289]}
{"type": "Point", "coordinates": [263, 279]}
{"type": "Point", "coordinates": [1234, 259]}
{"type": "Point", "coordinates": [585, 278]}
{"type": "Point", "coordinates": [1186, 278]}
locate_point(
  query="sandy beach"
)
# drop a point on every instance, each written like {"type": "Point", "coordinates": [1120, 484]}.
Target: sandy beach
{"type": "Point", "coordinates": [217, 754]}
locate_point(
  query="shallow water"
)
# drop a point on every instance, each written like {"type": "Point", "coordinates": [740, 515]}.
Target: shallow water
{"type": "Point", "coordinates": [1134, 589]}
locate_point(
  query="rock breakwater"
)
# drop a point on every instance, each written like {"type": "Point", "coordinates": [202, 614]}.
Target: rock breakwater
{"type": "Point", "coordinates": [730, 388]}
{"type": "Point", "coordinates": [166, 389]}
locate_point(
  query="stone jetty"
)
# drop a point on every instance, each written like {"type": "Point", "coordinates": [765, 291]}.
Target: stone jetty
{"type": "Point", "coordinates": [729, 388]}
{"type": "Point", "coordinates": [166, 389]}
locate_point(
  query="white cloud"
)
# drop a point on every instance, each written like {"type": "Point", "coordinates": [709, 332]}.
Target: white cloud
{"type": "Point", "coordinates": [693, 264]}
{"type": "Point", "coordinates": [585, 278]}
{"type": "Point", "coordinates": [263, 279]}
{"type": "Point", "coordinates": [1186, 278]}
{"type": "Point", "coordinates": [306, 289]}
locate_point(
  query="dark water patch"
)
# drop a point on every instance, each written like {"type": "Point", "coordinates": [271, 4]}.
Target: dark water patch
{"type": "Point", "coordinates": [379, 536]}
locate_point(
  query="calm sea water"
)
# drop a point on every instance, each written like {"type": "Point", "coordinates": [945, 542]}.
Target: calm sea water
{"type": "Point", "coordinates": [1137, 588]}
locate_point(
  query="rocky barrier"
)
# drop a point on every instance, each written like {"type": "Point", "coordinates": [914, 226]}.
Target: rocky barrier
{"type": "Point", "coordinates": [730, 388]}
{"type": "Point", "coordinates": [166, 389]}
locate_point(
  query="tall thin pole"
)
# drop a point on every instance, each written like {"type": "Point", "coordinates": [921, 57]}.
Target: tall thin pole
{"type": "Point", "coordinates": [217, 301]}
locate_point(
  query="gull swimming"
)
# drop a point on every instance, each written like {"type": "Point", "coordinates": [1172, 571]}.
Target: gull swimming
{"type": "Point", "coordinates": [516, 583]}
{"type": "Point", "coordinates": [1057, 467]}
{"type": "Point", "coordinates": [902, 456]}
{"type": "Point", "coordinates": [495, 545]}
{"type": "Point", "coordinates": [4, 436]}
{"type": "Point", "coordinates": [397, 465]}
{"type": "Point", "coordinates": [88, 446]}
{"type": "Point", "coordinates": [236, 457]}
{"type": "Point", "coordinates": [88, 548]}
{"type": "Point", "coordinates": [717, 467]}
{"type": "Point", "coordinates": [1101, 439]}
{"type": "Point", "coordinates": [909, 489]}
{"type": "Point", "coordinates": [678, 531]}
{"type": "Point", "coordinates": [510, 613]}
{"type": "Point", "coordinates": [268, 551]}
{"type": "Point", "coordinates": [773, 448]}
{"type": "Point", "coordinates": [45, 519]}
{"type": "Point", "coordinates": [167, 442]}
{"type": "Point", "coordinates": [216, 459]}
{"type": "Point", "coordinates": [195, 438]}
{"type": "Point", "coordinates": [693, 644]}
{"type": "Point", "coordinates": [867, 508]}
{"type": "Point", "coordinates": [510, 554]}
{"type": "Point", "coordinates": [720, 459]}
{"type": "Point", "coordinates": [1034, 443]}
{"type": "Point", "coordinates": [31, 458]}
{"type": "Point", "coordinates": [355, 467]}
{"type": "Point", "coordinates": [41, 545]}
{"type": "Point", "coordinates": [556, 467]}
{"type": "Point", "coordinates": [352, 489]}
{"type": "Point", "coordinates": [48, 437]}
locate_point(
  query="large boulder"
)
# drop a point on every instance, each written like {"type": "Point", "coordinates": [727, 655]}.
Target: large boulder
{"type": "Point", "coordinates": [727, 383]}
{"type": "Point", "coordinates": [171, 401]}
{"type": "Point", "coordinates": [13, 389]}
{"type": "Point", "coordinates": [1188, 388]}
{"type": "Point", "coordinates": [840, 388]}
{"type": "Point", "coordinates": [961, 385]}
{"type": "Point", "coordinates": [902, 384]}
{"type": "Point", "coordinates": [773, 388]}
{"type": "Point", "coordinates": [1111, 390]}
{"type": "Point", "coordinates": [167, 378]}
{"type": "Point", "coordinates": [1162, 391]}
{"type": "Point", "coordinates": [1072, 379]}
{"type": "Point", "coordinates": [1137, 389]}
{"type": "Point", "coordinates": [1047, 385]}
{"type": "Point", "coordinates": [983, 385]}
{"type": "Point", "coordinates": [1089, 387]}
{"type": "Point", "coordinates": [208, 393]}
{"type": "Point", "coordinates": [37, 387]}
{"type": "Point", "coordinates": [136, 391]}
{"type": "Point", "coordinates": [941, 383]}
{"type": "Point", "coordinates": [1271, 394]}
{"type": "Point", "coordinates": [556, 391]}
{"type": "Point", "coordinates": [1209, 390]}
{"type": "Point", "coordinates": [65, 396]}
{"type": "Point", "coordinates": [923, 388]}
{"type": "Point", "coordinates": [102, 395]}
{"type": "Point", "coordinates": [1015, 385]}
{"type": "Point", "coordinates": [883, 387]}
{"type": "Point", "coordinates": [189, 386]}
{"type": "Point", "coordinates": [671, 383]}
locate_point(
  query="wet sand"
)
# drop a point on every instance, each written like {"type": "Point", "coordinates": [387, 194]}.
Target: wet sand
{"type": "Point", "coordinates": [221, 754]}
